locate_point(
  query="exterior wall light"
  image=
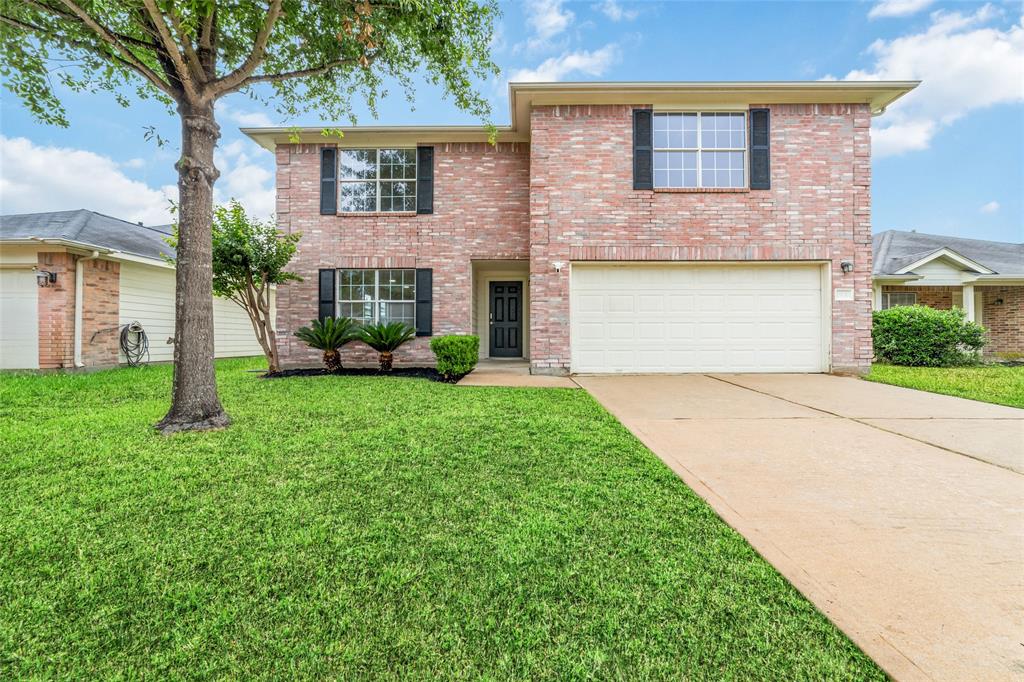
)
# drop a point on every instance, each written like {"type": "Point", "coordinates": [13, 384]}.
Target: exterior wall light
{"type": "Point", "coordinates": [45, 278]}
{"type": "Point", "coordinates": [558, 265]}
{"type": "Point", "coordinates": [847, 267]}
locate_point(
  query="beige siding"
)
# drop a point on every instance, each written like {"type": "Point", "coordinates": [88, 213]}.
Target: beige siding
{"type": "Point", "coordinates": [147, 295]}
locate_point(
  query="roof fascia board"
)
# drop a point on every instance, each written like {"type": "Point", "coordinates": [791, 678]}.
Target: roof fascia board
{"type": "Point", "coordinates": [522, 96]}
{"type": "Point", "coordinates": [950, 254]}
{"type": "Point", "coordinates": [896, 279]}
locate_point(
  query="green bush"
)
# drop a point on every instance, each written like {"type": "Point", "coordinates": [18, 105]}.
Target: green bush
{"type": "Point", "coordinates": [456, 355]}
{"type": "Point", "coordinates": [919, 336]}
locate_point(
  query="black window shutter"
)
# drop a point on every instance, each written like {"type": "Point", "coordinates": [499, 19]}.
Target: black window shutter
{"type": "Point", "coordinates": [328, 181]}
{"type": "Point", "coordinates": [643, 149]}
{"type": "Point", "coordinates": [424, 179]}
{"type": "Point", "coordinates": [760, 162]}
{"type": "Point", "coordinates": [424, 302]}
{"type": "Point", "coordinates": [327, 294]}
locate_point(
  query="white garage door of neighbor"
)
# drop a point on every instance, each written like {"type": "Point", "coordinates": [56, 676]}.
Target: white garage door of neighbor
{"type": "Point", "coordinates": [697, 318]}
{"type": "Point", "coordinates": [19, 320]}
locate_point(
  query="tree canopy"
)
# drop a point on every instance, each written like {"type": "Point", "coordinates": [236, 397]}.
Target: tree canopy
{"type": "Point", "coordinates": [311, 55]}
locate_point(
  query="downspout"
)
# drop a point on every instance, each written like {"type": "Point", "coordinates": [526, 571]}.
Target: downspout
{"type": "Point", "coordinates": [79, 296]}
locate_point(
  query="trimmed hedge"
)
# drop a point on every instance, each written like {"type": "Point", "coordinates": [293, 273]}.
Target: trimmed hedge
{"type": "Point", "coordinates": [456, 355]}
{"type": "Point", "coordinates": [919, 336]}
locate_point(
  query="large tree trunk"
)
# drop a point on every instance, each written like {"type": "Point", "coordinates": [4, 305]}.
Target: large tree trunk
{"type": "Point", "coordinates": [194, 401]}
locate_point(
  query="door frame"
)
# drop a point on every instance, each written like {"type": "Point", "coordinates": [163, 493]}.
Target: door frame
{"type": "Point", "coordinates": [522, 306]}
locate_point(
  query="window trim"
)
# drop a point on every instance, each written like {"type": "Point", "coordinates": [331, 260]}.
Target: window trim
{"type": "Point", "coordinates": [376, 300]}
{"type": "Point", "coordinates": [377, 182]}
{"type": "Point", "coordinates": [886, 294]}
{"type": "Point", "coordinates": [699, 148]}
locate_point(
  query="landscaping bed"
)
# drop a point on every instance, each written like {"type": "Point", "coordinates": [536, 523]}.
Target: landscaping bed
{"type": "Point", "coordinates": [407, 372]}
{"type": "Point", "coordinates": [370, 527]}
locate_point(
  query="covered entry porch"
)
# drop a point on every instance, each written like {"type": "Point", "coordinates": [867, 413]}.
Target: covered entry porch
{"type": "Point", "coordinates": [500, 310]}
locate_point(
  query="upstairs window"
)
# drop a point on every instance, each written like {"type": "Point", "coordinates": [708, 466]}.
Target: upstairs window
{"type": "Point", "coordinates": [377, 180]}
{"type": "Point", "coordinates": [696, 150]}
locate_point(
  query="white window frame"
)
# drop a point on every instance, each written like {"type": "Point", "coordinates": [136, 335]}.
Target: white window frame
{"type": "Point", "coordinates": [699, 148]}
{"type": "Point", "coordinates": [886, 298]}
{"type": "Point", "coordinates": [376, 300]}
{"type": "Point", "coordinates": [377, 181]}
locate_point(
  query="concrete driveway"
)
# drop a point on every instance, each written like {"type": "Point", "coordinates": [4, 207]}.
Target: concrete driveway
{"type": "Point", "coordinates": [899, 513]}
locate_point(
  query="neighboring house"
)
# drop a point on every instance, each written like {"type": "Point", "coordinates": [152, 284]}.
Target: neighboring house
{"type": "Point", "coordinates": [70, 280]}
{"type": "Point", "coordinates": [626, 227]}
{"type": "Point", "coordinates": [984, 278]}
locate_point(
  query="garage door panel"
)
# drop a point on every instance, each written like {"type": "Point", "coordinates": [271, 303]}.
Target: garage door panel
{"type": "Point", "coordinates": [687, 318]}
{"type": "Point", "coordinates": [19, 320]}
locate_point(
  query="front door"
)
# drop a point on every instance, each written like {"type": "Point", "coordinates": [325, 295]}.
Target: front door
{"type": "Point", "coordinates": [506, 320]}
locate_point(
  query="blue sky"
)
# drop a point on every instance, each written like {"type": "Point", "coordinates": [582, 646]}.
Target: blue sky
{"type": "Point", "coordinates": [948, 159]}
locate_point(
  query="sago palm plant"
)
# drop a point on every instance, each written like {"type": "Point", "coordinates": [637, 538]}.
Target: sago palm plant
{"type": "Point", "coordinates": [386, 339]}
{"type": "Point", "coordinates": [329, 336]}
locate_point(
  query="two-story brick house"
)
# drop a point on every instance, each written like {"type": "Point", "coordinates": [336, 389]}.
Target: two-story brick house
{"type": "Point", "coordinates": [612, 227]}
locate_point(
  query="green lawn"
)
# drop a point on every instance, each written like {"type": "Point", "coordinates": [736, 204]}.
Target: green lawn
{"type": "Point", "coordinates": [991, 384]}
{"type": "Point", "coordinates": [363, 527]}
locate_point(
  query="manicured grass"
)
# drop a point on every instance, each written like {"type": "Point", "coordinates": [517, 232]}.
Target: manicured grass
{"type": "Point", "coordinates": [989, 383]}
{"type": "Point", "coordinates": [363, 527]}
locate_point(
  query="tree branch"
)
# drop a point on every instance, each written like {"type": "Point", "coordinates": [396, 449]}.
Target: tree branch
{"type": "Point", "coordinates": [130, 40]}
{"type": "Point", "coordinates": [129, 57]}
{"type": "Point", "coordinates": [301, 73]}
{"type": "Point", "coordinates": [95, 49]}
{"type": "Point", "coordinates": [167, 40]}
{"type": "Point", "coordinates": [236, 78]}
{"type": "Point", "coordinates": [190, 54]}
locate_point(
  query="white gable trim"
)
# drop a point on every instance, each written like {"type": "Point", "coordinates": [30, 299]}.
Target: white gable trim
{"type": "Point", "coordinates": [948, 254]}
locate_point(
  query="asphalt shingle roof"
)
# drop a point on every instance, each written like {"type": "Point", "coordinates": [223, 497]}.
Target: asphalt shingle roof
{"type": "Point", "coordinates": [91, 228]}
{"type": "Point", "coordinates": [895, 250]}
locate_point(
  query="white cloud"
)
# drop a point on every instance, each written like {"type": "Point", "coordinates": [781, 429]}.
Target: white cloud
{"type": "Point", "coordinates": [35, 178]}
{"type": "Point", "coordinates": [990, 207]}
{"type": "Point", "coordinates": [592, 63]}
{"type": "Point", "coordinates": [897, 8]}
{"type": "Point", "coordinates": [964, 64]}
{"type": "Point", "coordinates": [616, 12]}
{"type": "Point", "coordinates": [247, 174]}
{"type": "Point", "coordinates": [133, 163]}
{"type": "Point", "coordinates": [258, 119]}
{"type": "Point", "coordinates": [548, 18]}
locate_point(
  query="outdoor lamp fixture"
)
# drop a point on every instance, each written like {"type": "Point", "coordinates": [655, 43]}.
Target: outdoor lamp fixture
{"type": "Point", "coordinates": [558, 265]}
{"type": "Point", "coordinates": [847, 267]}
{"type": "Point", "coordinates": [45, 278]}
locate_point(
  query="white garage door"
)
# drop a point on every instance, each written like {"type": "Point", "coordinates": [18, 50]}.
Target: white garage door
{"type": "Point", "coordinates": [19, 320]}
{"type": "Point", "coordinates": [697, 318]}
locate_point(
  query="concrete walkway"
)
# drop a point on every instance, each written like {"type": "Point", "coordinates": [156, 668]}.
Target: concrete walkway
{"type": "Point", "coordinates": [513, 373]}
{"type": "Point", "coordinates": [899, 513]}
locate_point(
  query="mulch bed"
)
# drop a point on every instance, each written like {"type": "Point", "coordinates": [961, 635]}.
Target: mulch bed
{"type": "Point", "coordinates": [405, 372]}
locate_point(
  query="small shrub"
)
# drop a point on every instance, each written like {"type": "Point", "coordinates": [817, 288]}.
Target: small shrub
{"type": "Point", "coordinates": [329, 336]}
{"type": "Point", "coordinates": [919, 336]}
{"type": "Point", "coordinates": [456, 355]}
{"type": "Point", "coordinates": [386, 339]}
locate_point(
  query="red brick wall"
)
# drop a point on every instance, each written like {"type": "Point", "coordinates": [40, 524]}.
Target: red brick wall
{"type": "Point", "coordinates": [101, 291]}
{"type": "Point", "coordinates": [100, 302]}
{"type": "Point", "coordinates": [583, 207]}
{"type": "Point", "coordinates": [1004, 321]}
{"type": "Point", "coordinates": [481, 211]}
{"type": "Point", "coordinates": [57, 312]}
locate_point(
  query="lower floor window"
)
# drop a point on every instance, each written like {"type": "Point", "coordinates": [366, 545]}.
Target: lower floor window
{"type": "Point", "coordinates": [372, 296]}
{"type": "Point", "coordinates": [894, 298]}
